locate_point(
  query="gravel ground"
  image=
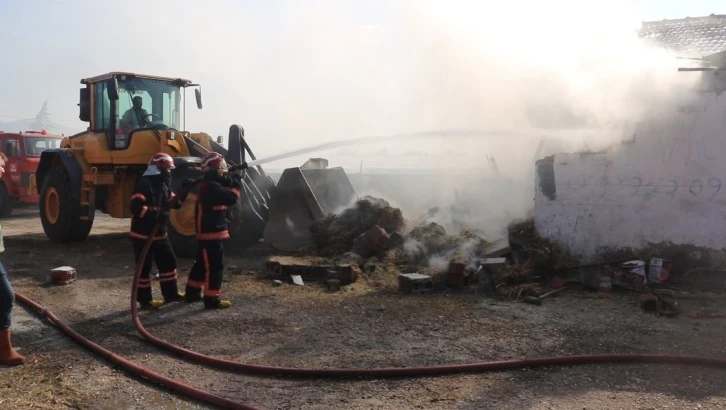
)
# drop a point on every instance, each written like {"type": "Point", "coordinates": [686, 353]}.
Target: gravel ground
{"type": "Point", "coordinates": [362, 326]}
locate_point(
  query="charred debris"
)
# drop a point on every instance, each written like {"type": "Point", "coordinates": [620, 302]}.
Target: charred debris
{"type": "Point", "coordinates": [372, 240]}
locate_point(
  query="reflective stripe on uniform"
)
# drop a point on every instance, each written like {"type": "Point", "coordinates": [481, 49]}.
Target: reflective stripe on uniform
{"type": "Point", "coordinates": [144, 283]}
{"type": "Point", "coordinates": [168, 276]}
{"type": "Point", "coordinates": [213, 236]}
{"type": "Point", "coordinates": [136, 235]}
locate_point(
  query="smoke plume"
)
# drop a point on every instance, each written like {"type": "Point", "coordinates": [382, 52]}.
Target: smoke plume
{"type": "Point", "coordinates": [298, 73]}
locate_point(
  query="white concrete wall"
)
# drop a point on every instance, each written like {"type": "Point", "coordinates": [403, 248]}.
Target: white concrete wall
{"type": "Point", "coordinates": [668, 185]}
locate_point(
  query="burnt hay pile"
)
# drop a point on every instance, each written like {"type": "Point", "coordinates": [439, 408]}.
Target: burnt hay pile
{"type": "Point", "coordinates": [535, 260]}
{"type": "Point", "coordinates": [334, 235]}
{"type": "Point", "coordinates": [539, 254]}
{"type": "Point", "coordinates": [429, 249]}
{"type": "Point", "coordinates": [431, 240]}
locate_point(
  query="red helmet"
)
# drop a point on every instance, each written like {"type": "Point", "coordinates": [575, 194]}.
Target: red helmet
{"type": "Point", "coordinates": [162, 161]}
{"type": "Point", "coordinates": [212, 161]}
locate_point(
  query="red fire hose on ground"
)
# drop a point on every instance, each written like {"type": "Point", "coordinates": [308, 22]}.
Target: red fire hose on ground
{"type": "Point", "coordinates": [333, 373]}
{"type": "Point", "coordinates": [129, 366]}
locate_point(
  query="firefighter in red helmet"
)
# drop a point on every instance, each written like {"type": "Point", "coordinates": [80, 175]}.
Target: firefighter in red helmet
{"type": "Point", "coordinates": [217, 191]}
{"type": "Point", "coordinates": [151, 194]}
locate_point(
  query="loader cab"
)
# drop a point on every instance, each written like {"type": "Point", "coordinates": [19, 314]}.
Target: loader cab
{"type": "Point", "coordinates": [121, 104]}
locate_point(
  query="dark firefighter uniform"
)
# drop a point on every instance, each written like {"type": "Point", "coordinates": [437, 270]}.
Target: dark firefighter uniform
{"type": "Point", "coordinates": [151, 193]}
{"type": "Point", "coordinates": [217, 192]}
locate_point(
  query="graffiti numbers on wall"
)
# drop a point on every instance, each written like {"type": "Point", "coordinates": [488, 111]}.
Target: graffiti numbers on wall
{"type": "Point", "coordinates": [696, 187]}
{"type": "Point", "coordinates": [671, 189]}
{"type": "Point", "coordinates": [715, 185]}
{"type": "Point", "coordinates": [659, 190]}
{"type": "Point", "coordinates": [708, 189]}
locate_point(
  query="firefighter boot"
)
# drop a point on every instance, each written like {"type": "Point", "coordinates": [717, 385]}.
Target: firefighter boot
{"type": "Point", "coordinates": [177, 297]}
{"type": "Point", "coordinates": [216, 303]}
{"type": "Point", "coordinates": [146, 301]}
{"type": "Point", "coordinates": [8, 355]}
{"type": "Point", "coordinates": [192, 295]}
{"type": "Point", "coordinates": [170, 292]}
{"type": "Point", "coordinates": [152, 304]}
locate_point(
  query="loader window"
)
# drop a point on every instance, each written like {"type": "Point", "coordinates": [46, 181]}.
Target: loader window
{"type": "Point", "coordinates": [159, 104]}
{"type": "Point", "coordinates": [135, 117]}
{"type": "Point", "coordinates": [102, 109]}
{"type": "Point", "coordinates": [34, 146]}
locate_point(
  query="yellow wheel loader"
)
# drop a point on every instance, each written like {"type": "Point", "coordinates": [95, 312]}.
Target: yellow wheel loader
{"type": "Point", "coordinates": [132, 117]}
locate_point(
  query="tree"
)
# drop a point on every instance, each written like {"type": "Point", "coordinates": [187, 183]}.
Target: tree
{"type": "Point", "coordinates": [42, 119]}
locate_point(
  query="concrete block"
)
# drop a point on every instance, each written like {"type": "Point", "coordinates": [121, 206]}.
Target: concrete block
{"type": "Point", "coordinates": [63, 275]}
{"type": "Point", "coordinates": [498, 248]}
{"type": "Point", "coordinates": [333, 285]}
{"type": "Point", "coordinates": [346, 274]}
{"type": "Point", "coordinates": [456, 274]}
{"type": "Point", "coordinates": [649, 303]}
{"type": "Point", "coordinates": [493, 265]}
{"type": "Point", "coordinates": [372, 242]}
{"type": "Point", "coordinates": [414, 283]}
{"type": "Point", "coordinates": [308, 271]}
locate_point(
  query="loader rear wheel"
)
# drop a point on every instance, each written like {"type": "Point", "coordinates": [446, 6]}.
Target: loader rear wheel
{"type": "Point", "coordinates": [60, 214]}
{"type": "Point", "coordinates": [181, 221]}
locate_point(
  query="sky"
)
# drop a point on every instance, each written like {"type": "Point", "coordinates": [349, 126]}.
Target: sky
{"type": "Point", "coordinates": [296, 73]}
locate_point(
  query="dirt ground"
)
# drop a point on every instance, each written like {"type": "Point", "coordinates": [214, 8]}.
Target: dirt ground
{"type": "Point", "coordinates": [362, 326]}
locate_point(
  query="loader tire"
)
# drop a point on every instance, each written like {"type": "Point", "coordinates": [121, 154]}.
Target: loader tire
{"type": "Point", "coordinates": [60, 214]}
{"type": "Point", "coordinates": [181, 228]}
{"type": "Point", "coordinates": [6, 202]}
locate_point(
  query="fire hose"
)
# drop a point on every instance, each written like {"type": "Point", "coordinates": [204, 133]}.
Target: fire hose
{"type": "Point", "coordinates": [128, 365]}
{"type": "Point", "coordinates": [391, 372]}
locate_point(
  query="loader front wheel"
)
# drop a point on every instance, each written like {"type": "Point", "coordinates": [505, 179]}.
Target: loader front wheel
{"type": "Point", "coordinates": [60, 214]}
{"type": "Point", "coordinates": [182, 231]}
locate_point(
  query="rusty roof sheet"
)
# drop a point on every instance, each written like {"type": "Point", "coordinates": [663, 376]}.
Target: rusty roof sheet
{"type": "Point", "coordinates": [700, 36]}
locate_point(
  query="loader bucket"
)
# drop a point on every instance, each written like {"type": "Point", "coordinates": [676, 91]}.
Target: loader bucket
{"type": "Point", "coordinates": [301, 197]}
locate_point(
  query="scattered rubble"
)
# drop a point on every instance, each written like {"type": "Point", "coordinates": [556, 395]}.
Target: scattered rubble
{"type": "Point", "coordinates": [498, 248]}
{"type": "Point", "coordinates": [64, 275]}
{"type": "Point", "coordinates": [372, 242]}
{"type": "Point", "coordinates": [333, 285]}
{"type": "Point", "coordinates": [306, 269]}
{"type": "Point", "coordinates": [367, 239]}
{"type": "Point", "coordinates": [533, 300]}
{"type": "Point", "coordinates": [415, 283]}
{"type": "Point", "coordinates": [456, 275]}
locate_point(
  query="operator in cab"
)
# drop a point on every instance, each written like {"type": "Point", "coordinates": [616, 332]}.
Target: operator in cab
{"type": "Point", "coordinates": [152, 193]}
{"type": "Point", "coordinates": [218, 191]}
{"type": "Point", "coordinates": [135, 117]}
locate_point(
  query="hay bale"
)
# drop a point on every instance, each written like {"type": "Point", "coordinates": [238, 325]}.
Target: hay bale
{"type": "Point", "coordinates": [334, 234]}
{"type": "Point", "coordinates": [431, 240]}
{"type": "Point", "coordinates": [432, 236]}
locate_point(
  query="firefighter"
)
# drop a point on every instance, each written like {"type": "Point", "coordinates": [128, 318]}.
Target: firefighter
{"type": "Point", "coordinates": [151, 193]}
{"type": "Point", "coordinates": [217, 191]}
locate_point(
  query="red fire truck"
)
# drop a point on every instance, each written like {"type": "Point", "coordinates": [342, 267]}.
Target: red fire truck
{"type": "Point", "coordinates": [23, 149]}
